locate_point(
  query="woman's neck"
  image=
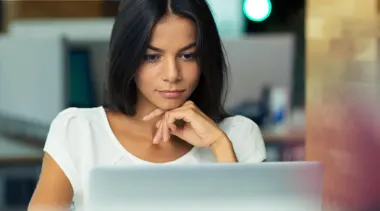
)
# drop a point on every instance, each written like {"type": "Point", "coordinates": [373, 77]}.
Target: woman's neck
{"type": "Point", "coordinates": [143, 109]}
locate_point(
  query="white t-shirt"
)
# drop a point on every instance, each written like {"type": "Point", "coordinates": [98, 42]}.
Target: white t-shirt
{"type": "Point", "coordinates": [80, 139]}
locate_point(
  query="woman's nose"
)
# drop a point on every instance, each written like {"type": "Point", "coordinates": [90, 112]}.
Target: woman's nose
{"type": "Point", "coordinates": [171, 72]}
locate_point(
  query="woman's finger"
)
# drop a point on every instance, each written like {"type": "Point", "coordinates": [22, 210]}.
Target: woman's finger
{"type": "Point", "coordinates": [187, 115]}
{"type": "Point", "coordinates": [173, 128]}
{"type": "Point", "coordinates": [158, 123]}
{"type": "Point", "coordinates": [158, 137]}
{"type": "Point", "coordinates": [153, 114]}
{"type": "Point", "coordinates": [165, 129]}
{"type": "Point", "coordinates": [191, 105]}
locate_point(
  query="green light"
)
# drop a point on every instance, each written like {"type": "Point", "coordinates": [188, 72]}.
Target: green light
{"type": "Point", "coordinates": [257, 10]}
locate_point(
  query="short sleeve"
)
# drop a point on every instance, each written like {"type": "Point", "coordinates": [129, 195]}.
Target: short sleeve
{"type": "Point", "coordinates": [59, 143]}
{"type": "Point", "coordinates": [246, 139]}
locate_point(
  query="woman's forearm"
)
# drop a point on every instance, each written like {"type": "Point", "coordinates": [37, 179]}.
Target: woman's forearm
{"type": "Point", "coordinates": [224, 151]}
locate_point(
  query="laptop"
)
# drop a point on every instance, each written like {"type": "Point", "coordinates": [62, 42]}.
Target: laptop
{"type": "Point", "coordinates": [271, 186]}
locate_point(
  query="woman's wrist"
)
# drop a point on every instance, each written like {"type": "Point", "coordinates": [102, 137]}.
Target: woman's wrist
{"type": "Point", "coordinates": [223, 150]}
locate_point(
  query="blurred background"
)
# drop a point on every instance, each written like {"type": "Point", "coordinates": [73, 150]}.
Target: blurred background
{"type": "Point", "coordinates": [53, 55]}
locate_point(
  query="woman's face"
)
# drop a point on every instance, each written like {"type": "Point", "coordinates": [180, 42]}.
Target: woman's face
{"type": "Point", "coordinates": [169, 72]}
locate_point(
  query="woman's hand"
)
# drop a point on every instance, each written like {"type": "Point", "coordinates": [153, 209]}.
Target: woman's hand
{"type": "Point", "coordinates": [188, 123]}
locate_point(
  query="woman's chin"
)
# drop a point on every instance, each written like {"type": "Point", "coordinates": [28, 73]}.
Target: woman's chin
{"type": "Point", "coordinates": [167, 106]}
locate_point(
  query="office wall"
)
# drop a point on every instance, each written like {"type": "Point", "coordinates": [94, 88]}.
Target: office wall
{"type": "Point", "coordinates": [257, 61]}
{"type": "Point", "coordinates": [72, 29]}
{"type": "Point", "coordinates": [31, 78]}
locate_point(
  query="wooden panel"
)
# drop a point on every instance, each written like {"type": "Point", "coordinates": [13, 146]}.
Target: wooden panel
{"type": "Point", "coordinates": [8, 12]}
{"type": "Point", "coordinates": [343, 95]}
{"type": "Point", "coordinates": [110, 8]}
{"type": "Point", "coordinates": [57, 9]}
{"type": "Point", "coordinates": [2, 16]}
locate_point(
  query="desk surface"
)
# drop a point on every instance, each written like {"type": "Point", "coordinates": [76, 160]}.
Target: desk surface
{"type": "Point", "coordinates": [289, 135]}
{"type": "Point", "coordinates": [12, 151]}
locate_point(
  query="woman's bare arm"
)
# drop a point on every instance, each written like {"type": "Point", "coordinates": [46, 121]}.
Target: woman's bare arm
{"type": "Point", "coordinates": [54, 191]}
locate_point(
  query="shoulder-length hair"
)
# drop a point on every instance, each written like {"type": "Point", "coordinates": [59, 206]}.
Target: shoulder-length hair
{"type": "Point", "coordinates": [129, 41]}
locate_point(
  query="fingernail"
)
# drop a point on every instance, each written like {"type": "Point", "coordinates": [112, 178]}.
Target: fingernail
{"type": "Point", "coordinates": [155, 140]}
{"type": "Point", "coordinates": [173, 128]}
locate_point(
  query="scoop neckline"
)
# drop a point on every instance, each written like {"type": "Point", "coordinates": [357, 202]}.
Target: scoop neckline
{"type": "Point", "coordinates": [129, 154]}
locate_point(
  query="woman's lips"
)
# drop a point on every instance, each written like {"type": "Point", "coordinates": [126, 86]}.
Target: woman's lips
{"type": "Point", "coordinates": [171, 94]}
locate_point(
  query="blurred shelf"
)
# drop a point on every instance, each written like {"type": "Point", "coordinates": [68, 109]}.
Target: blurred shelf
{"type": "Point", "coordinates": [24, 131]}
{"type": "Point", "coordinates": [285, 144]}
{"type": "Point", "coordinates": [291, 136]}
{"type": "Point", "coordinates": [21, 142]}
{"type": "Point", "coordinates": [15, 152]}
{"type": "Point", "coordinates": [20, 160]}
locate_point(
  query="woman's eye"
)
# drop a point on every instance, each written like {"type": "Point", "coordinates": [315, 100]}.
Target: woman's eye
{"type": "Point", "coordinates": [151, 57]}
{"type": "Point", "coordinates": [189, 56]}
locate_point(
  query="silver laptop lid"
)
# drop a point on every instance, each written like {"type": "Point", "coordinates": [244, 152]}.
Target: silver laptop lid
{"type": "Point", "coordinates": [277, 186]}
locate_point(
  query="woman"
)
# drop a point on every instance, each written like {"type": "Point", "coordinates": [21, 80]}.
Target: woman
{"type": "Point", "coordinates": [165, 88]}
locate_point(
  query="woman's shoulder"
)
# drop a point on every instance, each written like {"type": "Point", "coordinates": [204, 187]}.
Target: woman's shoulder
{"type": "Point", "coordinates": [69, 137]}
{"type": "Point", "coordinates": [74, 121]}
{"type": "Point", "coordinates": [78, 114]}
{"type": "Point", "coordinates": [246, 138]}
{"type": "Point", "coordinates": [238, 123]}
{"type": "Point", "coordinates": [74, 112]}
